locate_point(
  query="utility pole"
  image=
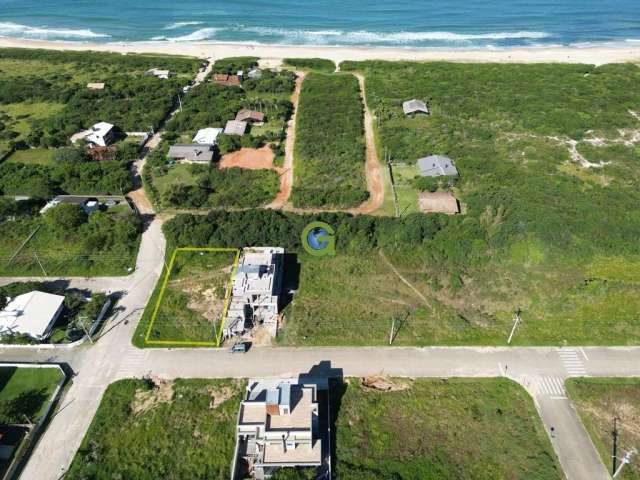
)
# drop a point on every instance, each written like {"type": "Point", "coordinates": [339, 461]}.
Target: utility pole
{"type": "Point", "coordinates": [516, 318]}
{"type": "Point", "coordinates": [180, 103]}
{"type": "Point", "coordinates": [84, 327]}
{"type": "Point", "coordinates": [614, 455]}
{"type": "Point", "coordinates": [39, 263]}
{"type": "Point", "coordinates": [393, 327]}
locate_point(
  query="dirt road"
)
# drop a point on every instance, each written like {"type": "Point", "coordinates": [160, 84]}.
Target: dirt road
{"type": "Point", "coordinates": [286, 177]}
{"type": "Point", "coordinates": [373, 168]}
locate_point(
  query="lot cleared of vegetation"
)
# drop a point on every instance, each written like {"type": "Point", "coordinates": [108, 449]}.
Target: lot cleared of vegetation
{"type": "Point", "coordinates": [66, 241]}
{"type": "Point", "coordinates": [330, 147]}
{"type": "Point", "coordinates": [145, 430]}
{"type": "Point", "coordinates": [190, 303]}
{"type": "Point", "coordinates": [599, 401]}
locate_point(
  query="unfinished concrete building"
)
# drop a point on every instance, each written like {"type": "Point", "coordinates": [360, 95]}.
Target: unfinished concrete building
{"type": "Point", "coordinates": [280, 425]}
{"type": "Point", "coordinates": [256, 291]}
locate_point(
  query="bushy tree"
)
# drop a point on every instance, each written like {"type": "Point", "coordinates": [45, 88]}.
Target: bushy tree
{"type": "Point", "coordinates": [65, 217]}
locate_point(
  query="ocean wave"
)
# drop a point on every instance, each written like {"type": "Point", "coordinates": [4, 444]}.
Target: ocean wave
{"type": "Point", "coordinates": [176, 25]}
{"type": "Point", "coordinates": [10, 29]}
{"type": "Point", "coordinates": [198, 35]}
{"type": "Point", "coordinates": [364, 36]}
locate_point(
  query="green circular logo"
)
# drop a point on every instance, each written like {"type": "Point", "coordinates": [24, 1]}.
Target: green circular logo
{"type": "Point", "coordinates": [318, 239]}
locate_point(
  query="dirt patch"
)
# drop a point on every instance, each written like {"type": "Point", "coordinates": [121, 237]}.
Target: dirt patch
{"type": "Point", "coordinates": [384, 383]}
{"type": "Point", "coordinates": [249, 158]}
{"type": "Point", "coordinates": [203, 299]}
{"type": "Point", "coordinates": [261, 337]}
{"type": "Point", "coordinates": [161, 392]}
{"type": "Point", "coordinates": [219, 396]}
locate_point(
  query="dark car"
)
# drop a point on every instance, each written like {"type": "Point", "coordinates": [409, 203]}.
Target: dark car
{"type": "Point", "coordinates": [240, 347]}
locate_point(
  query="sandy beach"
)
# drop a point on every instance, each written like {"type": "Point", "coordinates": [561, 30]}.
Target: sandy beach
{"type": "Point", "coordinates": [591, 55]}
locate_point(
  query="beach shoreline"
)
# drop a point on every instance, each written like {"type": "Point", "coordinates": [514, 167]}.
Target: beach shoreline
{"type": "Point", "coordinates": [597, 55]}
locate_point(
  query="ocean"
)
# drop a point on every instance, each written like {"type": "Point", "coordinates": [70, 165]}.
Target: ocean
{"type": "Point", "coordinates": [406, 23]}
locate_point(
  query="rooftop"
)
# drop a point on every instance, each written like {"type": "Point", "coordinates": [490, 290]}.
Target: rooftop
{"type": "Point", "coordinates": [414, 106]}
{"type": "Point", "coordinates": [249, 115]}
{"type": "Point", "coordinates": [274, 453]}
{"type": "Point", "coordinates": [31, 313]}
{"type": "Point", "coordinates": [192, 152]}
{"type": "Point", "coordinates": [207, 136]}
{"type": "Point", "coordinates": [235, 127]}
{"type": "Point", "coordinates": [436, 166]}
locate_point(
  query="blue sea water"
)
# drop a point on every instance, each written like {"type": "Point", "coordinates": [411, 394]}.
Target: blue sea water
{"type": "Point", "coordinates": [405, 23]}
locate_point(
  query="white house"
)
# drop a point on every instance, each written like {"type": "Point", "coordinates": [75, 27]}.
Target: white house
{"type": "Point", "coordinates": [101, 134]}
{"type": "Point", "coordinates": [32, 314]}
{"type": "Point", "coordinates": [156, 72]}
{"type": "Point", "coordinates": [278, 427]}
{"type": "Point", "coordinates": [256, 290]}
{"type": "Point", "coordinates": [207, 136]}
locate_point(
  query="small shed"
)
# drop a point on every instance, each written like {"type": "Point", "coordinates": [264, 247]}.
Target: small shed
{"type": "Point", "coordinates": [95, 86]}
{"type": "Point", "coordinates": [437, 166]}
{"type": "Point", "coordinates": [412, 107]}
{"type": "Point", "coordinates": [191, 152]}
{"type": "Point", "coordinates": [251, 116]}
{"type": "Point", "coordinates": [235, 127]}
{"type": "Point", "coordinates": [438, 202]}
{"type": "Point", "coordinates": [159, 73]}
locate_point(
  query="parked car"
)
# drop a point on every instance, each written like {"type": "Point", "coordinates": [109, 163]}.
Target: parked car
{"type": "Point", "coordinates": [240, 347]}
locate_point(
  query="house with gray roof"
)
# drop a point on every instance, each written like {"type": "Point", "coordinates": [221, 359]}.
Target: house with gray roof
{"type": "Point", "coordinates": [411, 107]}
{"type": "Point", "coordinates": [235, 127]}
{"type": "Point", "coordinates": [437, 166]}
{"type": "Point", "coordinates": [191, 152]}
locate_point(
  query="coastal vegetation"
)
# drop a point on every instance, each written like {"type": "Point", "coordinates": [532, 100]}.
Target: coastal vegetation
{"type": "Point", "coordinates": [330, 147]}
{"type": "Point", "coordinates": [600, 400]}
{"type": "Point", "coordinates": [65, 241]}
{"type": "Point", "coordinates": [44, 96]}
{"type": "Point", "coordinates": [445, 266]}
{"type": "Point", "coordinates": [146, 429]}
{"type": "Point", "coordinates": [314, 64]}
{"type": "Point", "coordinates": [233, 65]}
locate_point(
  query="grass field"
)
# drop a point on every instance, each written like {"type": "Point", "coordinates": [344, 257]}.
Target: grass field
{"type": "Point", "coordinates": [192, 300]}
{"type": "Point", "coordinates": [107, 246]}
{"type": "Point", "coordinates": [25, 391]}
{"type": "Point", "coordinates": [39, 156]}
{"type": "Point", "coordinates": [179, 430]}
{"type": "Point", "coordinates": [598, 401]}
{"type": "Point", "coordinates": [435, 429]}
{"type": "Point", "coordinates": [330, 147]}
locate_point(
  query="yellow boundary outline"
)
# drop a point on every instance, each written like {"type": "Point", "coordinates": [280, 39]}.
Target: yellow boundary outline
{"type": "Point", "coordinates": [225, 308]}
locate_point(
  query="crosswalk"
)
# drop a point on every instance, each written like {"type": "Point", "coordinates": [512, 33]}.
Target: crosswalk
{"type": "Point", "coordinates": [572, 361]}
{"type": "Point", "coordinates": [552, 387]}
{"type": "Point", "coordinates": [131, 363]}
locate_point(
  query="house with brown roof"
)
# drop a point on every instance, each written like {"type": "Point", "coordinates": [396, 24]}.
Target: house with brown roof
{"type": "Point", "coordinates": [250, 116]}
{"type": "Point", "coordinates": [226, 79]}
{"type": "Point", "coordinates": [438, 202]}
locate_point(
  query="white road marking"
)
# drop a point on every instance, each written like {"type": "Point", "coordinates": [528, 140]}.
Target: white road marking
{"type": "Point", "coordinates": [552, 387]}
{"type": "Point", "coordinates": [572, 362]}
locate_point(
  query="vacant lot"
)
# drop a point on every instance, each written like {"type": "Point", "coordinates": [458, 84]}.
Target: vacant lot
{"type": "Point", "coordinates": [105, 243]}
{"type": "Point", "coordinates": [183, 429]}
{"type": "Point", "coordinates": [598, 401]}
{"type": "Point", "coordinates": [330, 147]}
{"type": "Point", "coordinates": [547, 156]}
{"type": "Point", "coordinates": [190, 186]}
{"type": "Point", "coordinates": [191, 303]}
